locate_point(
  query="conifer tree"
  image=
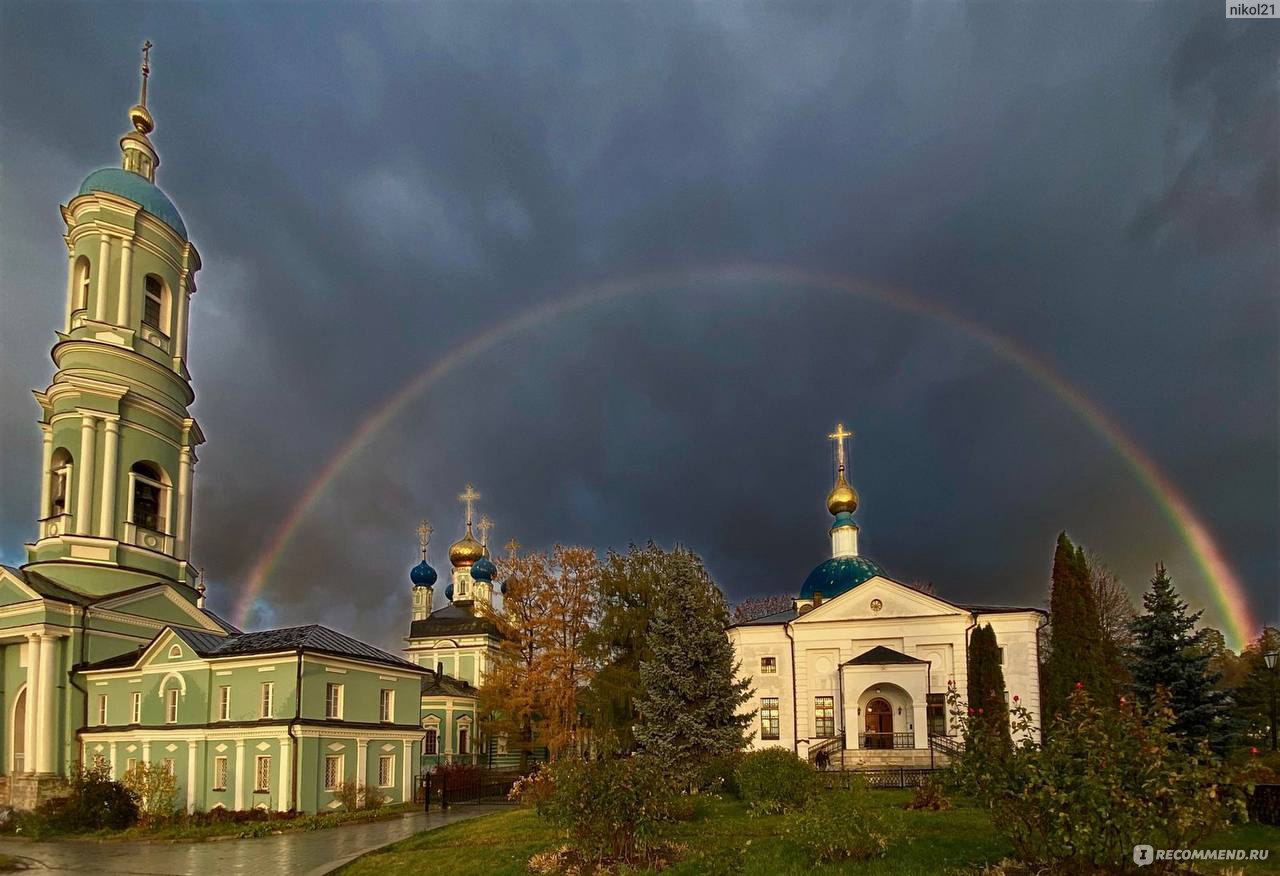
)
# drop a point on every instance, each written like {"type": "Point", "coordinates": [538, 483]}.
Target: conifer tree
{"type": "Point", "coordinates": [1169, 653]}
{"type": "Point", "coordinates": [1076, 650]}
{"type": "Point", "coordinates": [689, 709]}
{"type": "Point", "coordinates": [986, 688]}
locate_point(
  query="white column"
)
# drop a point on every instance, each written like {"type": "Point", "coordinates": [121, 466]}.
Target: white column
{"type": "Point", "coordinates": [146, 752]}
{"type": "Point", "coordinates": [126, 267]}
{"type": "Point", "coordinates": [406, 773]}
{"type": "Point", "coordinates": [239, 774]}
{"type": "Point", "coordinates": [115, 772]}
{"type": "Point", "coordinates": [183, 305]}
{"type": "Point", "coordinates": [362, 766]}
{"type": "Point", "coordinates": [191, 775]}
{"type": "Point", "coordinates": [84, 489]}
{"type": "Point", "coordinates": [71, 287]}
{"type": "Point", "coordinates": [33, 703]}
{"type": "Point", "coordinates": [104, 263]}
{"type": "Point", "coordinates": [110, 452]}
{"type": "Point", "coordinates": [48, 723]}
{"type": "Point", "coordinates": [286, 772]}
{"type": "Point", "coordinates": [46, 462]}
{"type": "Point", "coordinates": [180, 531]}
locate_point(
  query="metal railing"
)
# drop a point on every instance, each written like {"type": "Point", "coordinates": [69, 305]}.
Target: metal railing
{"type": "Point", "coordinates": [821, 753]}
{"type": "Point", "coordinates": [885, 741]}
{"type": "Point", "coordinates": [878, 777]}
{"type": "Point", "coordinates": [951, 746]}
{"type": "Point", "coordinates": [448, 787]}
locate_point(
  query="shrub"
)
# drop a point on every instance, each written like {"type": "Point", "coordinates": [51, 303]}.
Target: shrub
{"type": "Point", "coordinates": [718, 774]}
{"type": "Point", "coordinates": [155, 789]}
{"type": "Point", "coordinates": [931, 794]}
{"type": "Point", "coordinates": [612, 811]}
{"type": "Point", "coordinates": [357, 795]}
{"type": "Point", "coordinates": [774, 780]}
{"type": "Point", "coordinates": [533, 789]}
{"type": "Point", "coordinates": [1105, 779]}
{"type": "Point", "coordinates": [842, 826]}
{"type": "Point", "coordinates": [95, 801]}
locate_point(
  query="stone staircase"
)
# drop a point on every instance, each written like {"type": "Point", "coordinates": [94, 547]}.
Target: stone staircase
{"type": "Point", "coordinates": [870, 758]}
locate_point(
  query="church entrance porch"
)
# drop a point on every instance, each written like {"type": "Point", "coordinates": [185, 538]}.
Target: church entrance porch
{"type": "Point", "coordinates": [885, 710]}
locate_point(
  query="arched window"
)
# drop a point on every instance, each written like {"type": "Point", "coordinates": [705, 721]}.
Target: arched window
{"type": "Point", "coordinates": [155, 304]}
{"type": "Point", "coordinates": [80, 288]}
{"type": "Point", "coordinates": [148, 496]}
{"type": "Point", "coordinates": [59, 483]}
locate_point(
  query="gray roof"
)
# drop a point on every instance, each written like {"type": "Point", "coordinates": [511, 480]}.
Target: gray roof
{"type": "Point", "coordinates": [781, 617]}
{"type": "Point", "coordinates": [995, 609]}
{"type": "Point", "coordinates": [451, 621]}
{"type": "Point", "coordinates": [881, 656]}
{"type": "Point", "coordinates": [439, 684]}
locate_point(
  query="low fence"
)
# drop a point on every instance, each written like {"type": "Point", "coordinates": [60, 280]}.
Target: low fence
{"type": "Point", "coordinates": [1264, 804]}
{"type": "Point", "coordinates": [878, 777]}
{"type": "Point", "coordinates": [446, 788]}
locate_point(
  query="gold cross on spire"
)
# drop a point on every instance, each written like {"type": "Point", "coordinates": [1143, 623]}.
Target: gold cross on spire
{"type": "Point", "coordinates": [838, 436]}
{"type": "Point", "coordinates": [146, 71]}
{"type": "Point", "coordinates": [424, 536]}
{"type": "Point", "coordinates": [512, 546]}
{"type": "Point", "coordinates": [485, 525]}
{"type": "Point", "coordinates": [468, 497]}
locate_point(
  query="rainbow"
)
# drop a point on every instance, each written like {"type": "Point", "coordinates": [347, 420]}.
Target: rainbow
{"type": "Point", "coordinates": [1227, 594]}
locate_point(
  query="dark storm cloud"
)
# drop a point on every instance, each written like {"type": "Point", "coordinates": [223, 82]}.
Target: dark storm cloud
{"type": "Point", "coordinates": [369, 185]}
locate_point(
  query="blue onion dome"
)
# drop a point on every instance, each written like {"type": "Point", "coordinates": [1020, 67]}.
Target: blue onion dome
{"type": "Point", "coordinates": [483, 569]}
{"type": "Point", "coordinates": [422, 575]}
{"type": "Point", "coordinates": [838, 575]}
{"type": "Point", "coordinates": [448, 591]}
{"type": "Point", "coordinates": [140, 190]}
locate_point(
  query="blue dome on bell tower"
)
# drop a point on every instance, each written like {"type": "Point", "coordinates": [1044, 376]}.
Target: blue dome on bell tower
{"type": "Point", "coordinates": [422, 575]}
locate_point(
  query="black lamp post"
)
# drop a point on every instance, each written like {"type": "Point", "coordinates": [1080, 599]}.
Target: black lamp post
{"type": "Point", "coordinates": [1269, 658]}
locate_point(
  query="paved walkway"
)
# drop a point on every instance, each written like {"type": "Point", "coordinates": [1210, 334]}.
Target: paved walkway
{"type": "Point", "coordinates": [292, 854]}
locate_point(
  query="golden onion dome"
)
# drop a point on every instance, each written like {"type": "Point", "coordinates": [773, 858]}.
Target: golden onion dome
{"type": "Point", "coordinates": [465, 550]}
{"type": "Point", "coordinates": [843, 498]}
{"type": "Point", "coordinates": [140, 118]}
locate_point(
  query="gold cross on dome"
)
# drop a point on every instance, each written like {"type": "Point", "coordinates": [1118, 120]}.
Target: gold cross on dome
{"type": "Point", "coordinates": [424, 536]}
{"type": "Point", "coordinates": [146, 70]}
{"type": "Point", "coordinates": [838, 436]}
{"type": "Point", "coordinates": [468, 498]}
{"type": "Point", "coordinates": [485, 525]}
{"type": "Point", "coordinates": [512, 546]}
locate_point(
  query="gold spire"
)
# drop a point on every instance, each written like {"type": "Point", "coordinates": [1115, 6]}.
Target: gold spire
{"type": "Point", "coordinates": [424, 537]}
{"type": "Point", "coordinates": [466, 550]}
{"type": "Point", "coordinates": [485, 526]}
{"type": "Point", "coordinates": [140, 116]}
{"type": "Point", "coordinates": [512, 546]}
{"type": "Point", "coordinates": [843, 498]}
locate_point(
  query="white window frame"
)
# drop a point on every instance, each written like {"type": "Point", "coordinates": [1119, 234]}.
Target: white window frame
{"type": "Point", "coordinates": [130, 765]}
{"type": "Point", "coordinates": [267, 702]}
{"type": "Point", "coordinates": [164, 300]}
{"type": "Point", "coordinates": [770, 668]}
{"type": "Point", "coordinates": [175, 652]}
{"type": "Point", "coordinates": [224, 702]}
{"type": "Point", "coordinates": [333, 700]}
{"type": "Point", "coordinates": [135, 708]}
{"type": "Point", "coordinates": [220, 773]}
{"type": "Point", "coordinates": [171, 706]}
{"type": "Point", "coordinates": [262, 773]}
{"type": "Point", "coordinates": [432, 733]}
{"type": "Point", "coordinates": [387, 705]}
{"type": "Point", "coordinates": [169, 766]}
{"type": "Point", "coordinates": [339, 771]}
{"type": "Point", "coordinates": [102, 710]}
{"type": "Point", "coordinates": [166, 501]}
{"type": "Point", "coordinates": [386, 770]}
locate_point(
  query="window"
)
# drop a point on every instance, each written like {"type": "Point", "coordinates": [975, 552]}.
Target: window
{"type": "Point", "coordinates": [768, 665]}
{"type": "Point", "coordinates": [769, 723]}
{"type": "Point", "coordinates": [150, 496]}
{"type": "Point", "coordinates": [135, 708]}
{"type": "Point", "coordinates": [268, 695]}
{"type": "Point", "coordinates": [332, 771]}
{"type": "Point", "coordinates": [171, 706]}
{"type": "Point", "coordinates": [463, 741]}
{"type": "Point", "coordinates": [102, 709]}
{"type": "Point", "coordinates": [153, 305]}
{"type": "Point", "coordinates": [386, 770]}
{"type": "Point", "coordinates": [80, 288]}
{"type": "Point", "coordinates": [1002, 655]}
{"type": "Point", "coordinates": [386, 706]}
{"type": "Point", "coordinates": [429, 744]}
{"type": "Point", "coordinates": [220, 773]}
{"type": "Point", "coordinates": [175, 652]}
{"type": "Point", "coordinates": [262, 773]}
{"type": "Point", "coordinates": [333, 700]}
{"type": "Point", "coordinates": [824, 717]}
{"type": "Point", "coordinates": [501, 743]}
{"type": "Point", "coordinates": [59, 477]}
{"type": "Point", "coordinates": [937, 714]}
{"type": "Point", "coordinates": [130, 765]}
{"type": "Point", "coordinates": [167, 763]}
{"type": "Point", "coordinates": [224, 702]}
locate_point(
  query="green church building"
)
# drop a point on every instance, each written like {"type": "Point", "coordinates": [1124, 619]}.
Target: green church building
{"type": "Point", "coordinates": [107, 650]}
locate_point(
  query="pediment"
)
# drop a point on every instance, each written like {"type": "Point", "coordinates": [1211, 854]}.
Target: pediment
{"type": "Point", "coordinates": [14, 590]}
{"type": "Point", "coordinates": [162, 604]}
{"type": "Point", "coordinates": [877, 599]}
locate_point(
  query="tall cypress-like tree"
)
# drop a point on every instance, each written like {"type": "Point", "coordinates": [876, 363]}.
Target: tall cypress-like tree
{"type": "Point", "coordinates": [986, 688]}
{"type": "Point", "coordinates": [1076, 650]}
{"type": "Point", "coordinates": [1170, 654]}
{"type": "Point", "coordinates": [689, 708]}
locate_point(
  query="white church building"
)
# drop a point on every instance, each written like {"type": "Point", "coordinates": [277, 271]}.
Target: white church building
{"type": "Point", "coordinates": [859, 666]}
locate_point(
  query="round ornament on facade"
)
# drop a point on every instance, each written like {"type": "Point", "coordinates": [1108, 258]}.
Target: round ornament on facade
{"type": "Point", "coordinates": [876, 605]}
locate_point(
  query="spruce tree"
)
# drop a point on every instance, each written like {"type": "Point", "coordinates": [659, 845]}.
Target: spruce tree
{"type": "Point", "coordinates": [1076, 651]}
{"type": "Point", "coordinates": [1169, 654]}
{"type": "Point", "coordinates": [689, 709]}
{"type": "Point", "coordinates": [986, 687]}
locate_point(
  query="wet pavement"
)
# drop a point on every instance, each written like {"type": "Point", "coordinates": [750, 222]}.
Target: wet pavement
{"type": "Point", "coordinates": [291, 854]}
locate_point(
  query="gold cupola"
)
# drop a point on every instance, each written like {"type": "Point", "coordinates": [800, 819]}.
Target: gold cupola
{"type": "Point", "coordinates": [843, 499]}
{"type": "Point", "coordinates": [466, 550]}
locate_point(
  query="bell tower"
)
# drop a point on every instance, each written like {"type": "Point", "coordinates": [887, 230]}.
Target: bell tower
{"type": "Point", "coordinates": [118, 460]}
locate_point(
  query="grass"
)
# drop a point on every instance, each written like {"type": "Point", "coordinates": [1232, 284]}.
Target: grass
{"type": "Point", "coordinates": [934, 842]}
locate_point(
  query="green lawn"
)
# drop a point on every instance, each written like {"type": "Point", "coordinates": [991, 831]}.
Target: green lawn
{"type": "Point", "coordinates": [936, 842]}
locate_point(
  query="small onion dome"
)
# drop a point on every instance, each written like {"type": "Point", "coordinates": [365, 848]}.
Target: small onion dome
{"type": "Point", "coordinates": [483, 569]}
{"type": "Point", "coordinates": [843, 497]}
{"type": "Point", "coordinates": [448, 592]}
{"type": "Point", "coordinates": [422, 575]}
{"type": "Point", "coordinates": [465, 550]}
{"type": "Point", "coordinates": [140, 118]}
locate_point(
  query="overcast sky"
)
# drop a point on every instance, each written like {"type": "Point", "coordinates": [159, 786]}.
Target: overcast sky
{"type": "Point", "coordinates": [372, 185]}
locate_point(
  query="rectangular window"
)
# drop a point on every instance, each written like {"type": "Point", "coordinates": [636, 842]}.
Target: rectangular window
{"type": "Point", "coordinates": [769, 722]}
{"type": "Point", "coordinates": [1002, 655]}
{"type": "Point", "coordinates": [130, 765]}
{"type": "Point", "coordinates": [333, 700]}
{"type": "Point", "coordinates": [824, 717]}
{"type": "Point", "coordinates": [268, 695]}
{"type": "Point", "coordinates": [464, 740]}
{"type": "Point", "coordinates": [102, 709]}
{"type": "Point", "coordinates": [171, 706]}
{"type": "Point", "coordinates": [152, 303]}
{"type": "Point", "coordinates": [167, 763]}
{"type": "Point", "coordinates": [386, 706]}
{"type": "Point", "coordinates": [224, 702]}
{"type": "Point", "coordinates": [502, 743]}
{"type": "Point", "coordinates": [332, 771]}
{"type": "Point", "coordinates": [386, 770]}
{"type": "Point", "coordinates": [219, 773]}
{"type": "Point", "coordinates": [768, 665]}
{"type": "Point", "coordinates": [937, 712]}
{"type": "Point", "coordinates": [429, 741]}
{"type": "Point", "coordinates": [262, 773]}
{"type": "Point", "coordinates": [135, 708]}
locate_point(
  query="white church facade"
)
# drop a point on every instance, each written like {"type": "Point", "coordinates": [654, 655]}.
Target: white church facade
{"type": "Point", "coordinates": [858, 668]}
